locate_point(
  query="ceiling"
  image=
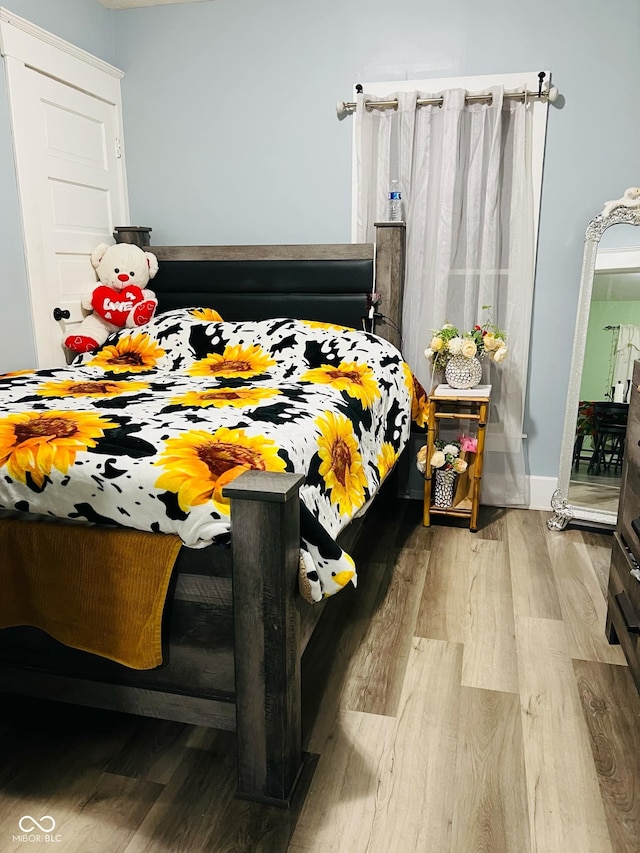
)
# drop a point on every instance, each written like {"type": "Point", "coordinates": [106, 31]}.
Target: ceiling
{"type": "Point", "coordinates": [134, 4]}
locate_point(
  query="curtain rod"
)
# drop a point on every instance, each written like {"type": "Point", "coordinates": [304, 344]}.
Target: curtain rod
{"type": "Point", "coordinates": [607, 328]}
{"type": "Point", "coordinates": [550, 94]}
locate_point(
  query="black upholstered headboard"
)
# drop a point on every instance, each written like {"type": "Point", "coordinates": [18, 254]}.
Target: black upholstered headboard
{"type": "Point", "coordinates": [326, 282]}
{"type": "Point", "coordinates": [322, 282]}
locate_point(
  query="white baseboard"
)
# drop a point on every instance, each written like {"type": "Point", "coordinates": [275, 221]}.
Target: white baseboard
{"type": "Point", "coordinates": [541, 490]}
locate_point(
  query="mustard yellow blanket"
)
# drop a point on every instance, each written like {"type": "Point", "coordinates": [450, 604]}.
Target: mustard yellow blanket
{"type": "Point", "coordinates": [102, 591]}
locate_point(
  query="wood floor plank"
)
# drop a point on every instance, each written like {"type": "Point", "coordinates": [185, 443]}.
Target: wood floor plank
{"type": "Point", "coordinates": [611, 708]}
{"type": "Point", "coordinates": [251, 827]}
{"type": "Point", "coordinates": [424, 754]}
{"type": "Point", "coordinates": [598, 547]}
{"type": "Point", "coordinates": [327, 659]}
{"type": "Point", "coordinates": [492, 523]}
{"type": "Point", "coordinates": [192, 802]}
{"type": "Point", "coordinates": [411, 533]}
{"type": "Point", "coordinates": [467, 599]}
{"type": "Point", "coordinates": [376, 774]}
{"type": "Point", "coordinates": [110, 816]}
{"type": "Point", "coordinates": [443, 612]}
{"type": "Point", "coordinates": [532, 578]}
{"type": "Point", "coordinates": [584, 609]}
{"type": "Point", "coordinates": [341, 805]}
{"type": "Point", "coordinates": [565, 807]}
{"type": "Point", "coordinates": [55, 763]}
{"type": "Point", "coordinates": [47, 741]}
{"type": "Point", "coordinates": [490, 810]}
{"type": "Point", "coordinates": [374, 677]}
{"type": "Point", "coordinates": [597, 538]}
{"type": "Point", "coordinates": [490, 659]}
{"type": "Point", "coordinates": [152, 752]}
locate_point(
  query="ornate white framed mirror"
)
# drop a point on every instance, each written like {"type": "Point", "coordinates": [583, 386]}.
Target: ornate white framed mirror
{"type": "Point", "coordinates": [606, 343]}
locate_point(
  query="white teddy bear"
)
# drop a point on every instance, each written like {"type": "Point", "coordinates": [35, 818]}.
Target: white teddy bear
{"type": "Point", "coordinates": [121, 299]}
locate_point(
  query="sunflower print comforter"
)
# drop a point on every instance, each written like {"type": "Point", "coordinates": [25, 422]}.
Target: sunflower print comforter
{"type": "Point", "coordinates": [146, 432]}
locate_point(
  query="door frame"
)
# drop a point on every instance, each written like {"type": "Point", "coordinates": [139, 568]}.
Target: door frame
{"type": "Point", "coordinates": [27, 46]}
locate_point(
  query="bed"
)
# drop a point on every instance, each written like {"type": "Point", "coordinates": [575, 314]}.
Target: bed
{"type": "Point", "coordinates": [234, 622]}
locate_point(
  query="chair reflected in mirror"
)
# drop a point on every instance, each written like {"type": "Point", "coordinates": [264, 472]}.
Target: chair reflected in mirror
{"type": "Point", "coordinates": [585, 440]}
{"type": "Point", "coordinates": [610, 427]}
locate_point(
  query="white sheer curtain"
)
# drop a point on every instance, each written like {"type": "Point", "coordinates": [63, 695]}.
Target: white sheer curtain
{"type": "Point", "coordinates": [465, 175]}
{"type": "Point", "coordinates": [627, 351]}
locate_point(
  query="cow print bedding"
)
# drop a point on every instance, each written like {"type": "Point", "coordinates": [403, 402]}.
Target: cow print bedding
{"type": "Point", "coordinates": [146, 431]}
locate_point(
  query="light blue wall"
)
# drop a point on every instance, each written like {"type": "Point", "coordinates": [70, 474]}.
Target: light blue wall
{"type": "Point", "coordinates": [90, 26]}
{"type": "Point", "coordinates": [230, 121]}
{"type": "Point", "coordinates": [231, 132]}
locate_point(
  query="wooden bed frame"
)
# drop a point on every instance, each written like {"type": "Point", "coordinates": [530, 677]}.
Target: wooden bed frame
{"type": "Point", "coordinates": [234, 628]}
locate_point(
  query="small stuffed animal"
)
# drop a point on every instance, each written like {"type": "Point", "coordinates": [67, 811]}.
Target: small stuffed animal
{"type": "Point", "coordinates": [121, 299]}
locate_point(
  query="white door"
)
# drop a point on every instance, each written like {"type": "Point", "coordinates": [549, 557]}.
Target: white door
{"type": "Point", "coordinates": [71, 178]}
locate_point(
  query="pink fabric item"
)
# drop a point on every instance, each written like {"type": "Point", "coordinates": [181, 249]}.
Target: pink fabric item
{"type": "Point", "coordinates": [469, 444]}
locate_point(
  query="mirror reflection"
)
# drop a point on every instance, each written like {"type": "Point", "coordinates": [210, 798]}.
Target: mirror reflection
{"type": "Point", "coordinates": [612, 344]}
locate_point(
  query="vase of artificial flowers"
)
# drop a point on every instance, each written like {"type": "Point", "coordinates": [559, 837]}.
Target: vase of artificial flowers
{"type": "Point", "coordinates": [459, 353]}
{"type": "Point", "coordinates": [446, 463]}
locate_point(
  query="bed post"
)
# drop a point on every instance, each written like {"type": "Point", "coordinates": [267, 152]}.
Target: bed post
{"type": "Point", "coordinates": [265, 542]}
{"type": "Point", "coordinates": [390, 255]}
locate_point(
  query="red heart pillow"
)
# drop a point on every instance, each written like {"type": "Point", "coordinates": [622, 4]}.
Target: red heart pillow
{"type": "Point", "coordinates": [113, 305]}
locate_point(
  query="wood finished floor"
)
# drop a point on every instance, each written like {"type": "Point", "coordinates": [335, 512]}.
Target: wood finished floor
{"type": "Point", "coordinates": [463, 698]}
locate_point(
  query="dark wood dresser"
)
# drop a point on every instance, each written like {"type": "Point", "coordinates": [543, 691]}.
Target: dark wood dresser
{"type": "Point", "coordinates": [623, 615]}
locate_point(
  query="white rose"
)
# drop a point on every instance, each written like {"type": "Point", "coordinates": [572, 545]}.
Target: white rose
{"type": "Point", "coordinates": [459, 466]}
{"type": "Point", "coordinates": [500, 354]}
{"type": "Point", "coordinates": [469, 349]}
{"type": "Point", "coordinates": [428, 353]}
{"type": "Point", "coordinates": [437, 460]}
{"type": "Point", "coordinates": [455, 346]}
{"type": "Point", "coordinates": [450, 449]}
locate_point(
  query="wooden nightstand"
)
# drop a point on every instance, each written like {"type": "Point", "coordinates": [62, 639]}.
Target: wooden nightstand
{"type": "Point", "coordinates": [450, 412]}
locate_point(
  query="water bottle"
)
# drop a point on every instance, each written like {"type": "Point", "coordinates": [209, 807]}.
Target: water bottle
{"type": "Point", "coordinates": [395, 202]}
